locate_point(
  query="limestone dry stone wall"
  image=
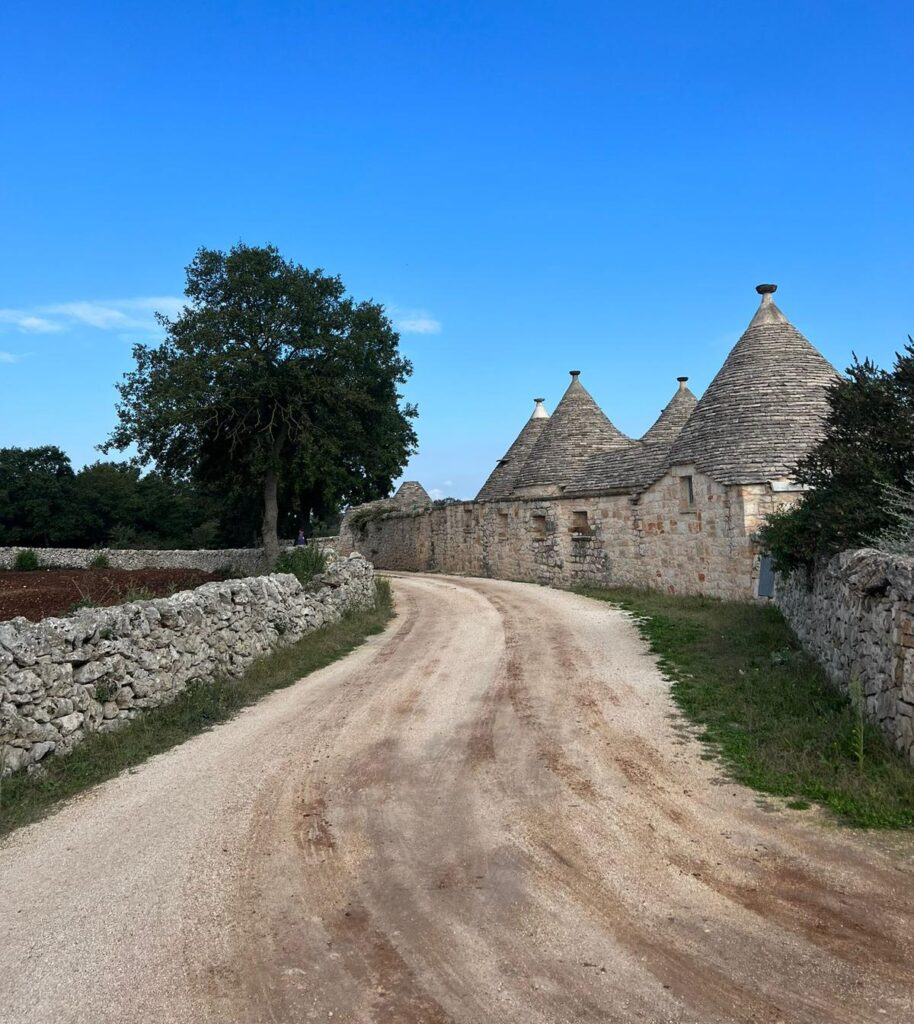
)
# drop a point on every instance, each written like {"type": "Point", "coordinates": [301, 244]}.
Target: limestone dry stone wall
{"type": "Point", "coordinates": [239, 561]}
{"type": "Point", "coordinates": [654, 541]}
{"type": "Point", "coordinates": [243, 561]}
{"type": "Point", "coordinates": [63, 678]}
{"type": "Point", "coordinates": [855, 615]}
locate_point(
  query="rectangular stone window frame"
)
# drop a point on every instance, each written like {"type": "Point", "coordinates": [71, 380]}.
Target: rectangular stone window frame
{"type": "Point", "coordinates": [502, 525]}
{"type": "Point", "coordinates": [686, 493]}
{"type": "Point", "coordinates": [580, 525]}
{"type": "Point", "coordinates": [538, 525]}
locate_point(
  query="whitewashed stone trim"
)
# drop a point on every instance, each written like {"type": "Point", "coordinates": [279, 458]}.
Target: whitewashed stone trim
{"type": "Point", "coordinates": [63, 678]}
{"type": "Point", "coordinates": [855, 615]}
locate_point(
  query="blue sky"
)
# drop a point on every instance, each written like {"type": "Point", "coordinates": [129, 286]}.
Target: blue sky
{"type": "Point", "coordinates": [529, 187]}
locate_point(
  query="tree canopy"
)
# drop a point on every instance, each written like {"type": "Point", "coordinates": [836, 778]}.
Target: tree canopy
{"type": "Point", "coordinates": [43, 502]}
{"type": "Point", "coordinates": [867, 446]}
{"type": "Point", "coordinates": [271, 381]}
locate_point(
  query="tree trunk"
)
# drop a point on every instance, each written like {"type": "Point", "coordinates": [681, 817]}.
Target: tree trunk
{"type": "Point", "coordinates": [268, 530]}
{"type": "Point", "coordinates": [270, 517]}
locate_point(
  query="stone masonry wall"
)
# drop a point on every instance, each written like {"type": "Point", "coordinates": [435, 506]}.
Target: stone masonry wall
{"type": "Point", "coordinates": [244, 561]}
{"type": "Point", "coordinates": [856, 617]}
{"type": "Point", "coordinates": [240, 561]}
{"type": "Point", "coordinates": [653, 542]}
{"type": "Point", "coordinates": [63, 678]}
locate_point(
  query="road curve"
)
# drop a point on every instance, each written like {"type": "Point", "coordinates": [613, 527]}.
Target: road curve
{"type": "Point", "coordinates": [489, 813]}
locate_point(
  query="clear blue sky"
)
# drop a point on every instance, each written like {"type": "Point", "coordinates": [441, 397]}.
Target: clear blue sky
{"type": "Point", "coordinates": [529, 187]}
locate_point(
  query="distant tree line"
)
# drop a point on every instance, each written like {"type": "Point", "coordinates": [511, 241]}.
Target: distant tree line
{"type": "Point", "coordinates": [43, 502]}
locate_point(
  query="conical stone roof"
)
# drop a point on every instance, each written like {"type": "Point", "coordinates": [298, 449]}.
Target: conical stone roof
{"type": "Point", "coordinates": [765, 407]}
{"type": "Point", "coordinates": [631, 468]}
{"type": "Point", "coordinates": [576, 430]}
{"type": "Point", "coordinates": [503, 478]}
{"type": "Point", "coordinates": [674, 416]}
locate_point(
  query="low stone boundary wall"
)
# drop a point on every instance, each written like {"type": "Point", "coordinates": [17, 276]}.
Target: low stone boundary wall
{"type": "Point", "coordinates": [855, 615]}
{"type": "Point", "coordinates": [243, 561]}
{"type": "Point", "coordinates": [240, 561]}
{"type": "Point", "coordinates": [62, 678]}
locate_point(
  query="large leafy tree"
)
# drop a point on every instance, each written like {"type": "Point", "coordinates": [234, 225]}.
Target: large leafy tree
{"type": "Point", "coordinates": [868, 443]}
{"type": "Point", "coordinates": [271, 379]}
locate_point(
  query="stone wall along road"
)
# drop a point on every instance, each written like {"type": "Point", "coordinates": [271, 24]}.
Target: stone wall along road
{"type": "Point", "coordinates": [855, 615]}
{"type": "Point", "coordinates": [488, 813]}
{"type": "Point", "coordinates": [62, 678]}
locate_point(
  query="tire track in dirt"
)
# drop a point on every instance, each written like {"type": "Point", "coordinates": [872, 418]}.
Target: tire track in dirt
{"type": "Point", "coordinates": [488, 813]}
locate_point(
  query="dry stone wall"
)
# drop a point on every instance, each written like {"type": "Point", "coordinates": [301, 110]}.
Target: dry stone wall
{"type": "Point", "coordinates": [855, 615]}
{"type": "Point", "coordinates": [238, 561]}
{"type": "Point", "coordinates": [63, 678]}
{"type": "Point", "coordinates": [243, 561]}
{"type": "Point", "coordinates": [653, 541]}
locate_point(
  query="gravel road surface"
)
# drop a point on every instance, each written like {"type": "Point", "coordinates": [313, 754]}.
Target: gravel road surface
{"type": "Point", "coordinates": [489, 813]}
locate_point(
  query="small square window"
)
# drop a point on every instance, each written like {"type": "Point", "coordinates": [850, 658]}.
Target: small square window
{"type": "Point", "coordinates": [538, 522]}
{"type": "Point", "coordinates": [579, 523]}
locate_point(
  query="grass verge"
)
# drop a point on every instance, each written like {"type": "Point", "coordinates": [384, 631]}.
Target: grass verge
{"type": "Point", "coordinates": [25, 797]}
{"type": "Point", "coordinates": [767, 710]}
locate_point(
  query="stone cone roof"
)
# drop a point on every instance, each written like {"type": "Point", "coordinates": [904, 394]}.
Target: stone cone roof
{"type": "Point", "coordinates": [631, 468]}
{"type": "Point", "coordinates": [503, 478]}
{"type": "Point", "coordinates": [765, 407]}
{"type": "Point", "coordinates": [674, 416]}
{"type": "Point", "coordinates": [576, 430]}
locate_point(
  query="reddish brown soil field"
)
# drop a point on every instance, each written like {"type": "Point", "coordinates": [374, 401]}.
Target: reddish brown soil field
{"type": "Point", "coordinates": [56, 591]}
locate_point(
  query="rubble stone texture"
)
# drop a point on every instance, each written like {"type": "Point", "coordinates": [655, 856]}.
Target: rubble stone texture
{"type": "Point", "coordinates": [855, 615]}
{"type": "Point", "coordinates": [63, 678]}
{"type": "Point", "coordinates": [239, 561]}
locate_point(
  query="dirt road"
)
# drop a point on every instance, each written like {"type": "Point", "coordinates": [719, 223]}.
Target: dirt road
{"type": "Point", "coordinates": [488, 814]}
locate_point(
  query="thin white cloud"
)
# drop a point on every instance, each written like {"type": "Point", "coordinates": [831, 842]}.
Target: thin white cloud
{"type": "Point", "coordinates": [9, 357]}
{"type": "Point", "coordinates": [413, 321]}
{"type": "Point", "coordinates": [418, 323]}
{"type": "Point", "coordinates": [130, 315]}
{"type": "Point", "coordinates": [436, 494]}
{"type": "Point", "coordinates": [26, 322]}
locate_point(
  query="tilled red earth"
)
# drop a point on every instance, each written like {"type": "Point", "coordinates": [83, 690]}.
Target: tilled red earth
{"type": "Point", "coordinates": [45, 592]}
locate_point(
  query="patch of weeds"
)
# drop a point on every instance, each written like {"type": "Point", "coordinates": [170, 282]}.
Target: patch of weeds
{"type": "Point", "coordinates": [101, 561]}
{"type": "Point", "coordinates": [304, 562]}
{"type": "Point", "coordinates": [767, 710]}
{"type": "Point", "coordinates": [106, 690]}
{"type": "Point", "coordinates": [26, 796]}
{"type": "Point", "coordinates": [133, 594]}
{"type": "Point", "coordinates": [26, 561]}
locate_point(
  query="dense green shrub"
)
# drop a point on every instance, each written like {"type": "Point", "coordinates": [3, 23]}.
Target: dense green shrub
{"type": "Point", "coordinates": [303, 562]}
{"type": "Point", "coordinates": [867, 446]}
{"type": "Point", "coordinates": [100, 561]}
{"type": "Point", "coordinates": [26, 561]}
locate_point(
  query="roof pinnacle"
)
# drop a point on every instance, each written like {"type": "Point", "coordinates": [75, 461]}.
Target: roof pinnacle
{"type": "Point", "coordinates": [766, 291]}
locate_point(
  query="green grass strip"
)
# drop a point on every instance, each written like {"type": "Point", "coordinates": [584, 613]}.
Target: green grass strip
{"type": "Point", "coordinates": [25, 797]}
{"type": "Point", "coordinates": [767, 710]}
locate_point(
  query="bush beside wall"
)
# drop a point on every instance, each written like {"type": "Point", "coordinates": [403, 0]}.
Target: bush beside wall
{"type": "Point", "coordinates": [855, 615]}
{"type": "Point", "coordinates": [62, 678]}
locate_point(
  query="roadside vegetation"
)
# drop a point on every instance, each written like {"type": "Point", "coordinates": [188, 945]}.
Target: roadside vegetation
{"type": "Point", "coordinates": [25, 797]}
{"type": "Point", "coordinates": [860, 474]}
{"type": "Point", "coordinates": [766, 709]}
{"type": "Point", "coordinates": [304, 563]}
